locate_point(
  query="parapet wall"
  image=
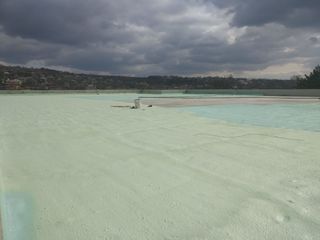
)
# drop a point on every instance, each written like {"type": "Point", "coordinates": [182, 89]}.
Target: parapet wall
{"type": "Point", "coordinates": [261, 92]}
{"type": "Point", "coordinates": [145, 91]}
{"type": "Point", "coordinates": [65, 91]}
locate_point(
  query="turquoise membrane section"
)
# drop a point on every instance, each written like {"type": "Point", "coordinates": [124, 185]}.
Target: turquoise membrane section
{"type": "Point", "coordinates": [292, 116]}
{"type": "Point", "coordinates": [17, 215]}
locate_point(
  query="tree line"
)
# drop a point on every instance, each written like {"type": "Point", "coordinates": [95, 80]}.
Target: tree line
{"type": "Point", "coordinates": [311, 80]}
{"type": "Point", "coordinates": [13, 77]}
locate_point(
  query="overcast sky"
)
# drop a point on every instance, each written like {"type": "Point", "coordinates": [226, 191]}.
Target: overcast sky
{"type": "Point", "coordinates": [252, 38]}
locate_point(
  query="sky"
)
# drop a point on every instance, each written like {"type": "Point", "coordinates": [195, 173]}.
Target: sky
{"type": "Point", "coordinates": [246, 38]}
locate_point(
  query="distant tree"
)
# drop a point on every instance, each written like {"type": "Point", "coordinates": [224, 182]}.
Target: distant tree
{"type": "Point", "coordinates": [312, 80]}
{"type": "Point", "coordinates": [1, 76]}
{"type": "Point", "coordinates": [296, 78]}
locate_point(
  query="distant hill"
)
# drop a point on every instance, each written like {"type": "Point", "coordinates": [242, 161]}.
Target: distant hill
{"type": "Point", "coordinates": [13, 77]}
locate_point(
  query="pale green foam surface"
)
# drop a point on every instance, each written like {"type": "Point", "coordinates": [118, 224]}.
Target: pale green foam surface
{"type": "Point", "coordinates": [76, 168]}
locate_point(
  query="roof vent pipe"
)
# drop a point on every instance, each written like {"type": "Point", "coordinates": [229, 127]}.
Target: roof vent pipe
{"type": "Point", "coordinates": [137, 103]}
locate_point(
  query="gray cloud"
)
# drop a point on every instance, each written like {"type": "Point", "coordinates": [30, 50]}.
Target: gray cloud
{"type": "Point", "coordinates": [291, 13]}
{"type": "Point", "coordinates": [159, 37]}
{"type": "Point", "coordinates": [60, 21]}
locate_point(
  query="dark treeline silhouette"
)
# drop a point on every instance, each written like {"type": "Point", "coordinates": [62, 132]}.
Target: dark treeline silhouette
{"type": "Point", "coordinates": [310, 81]}
{"type": "Point", "coordinates": [13, 78]}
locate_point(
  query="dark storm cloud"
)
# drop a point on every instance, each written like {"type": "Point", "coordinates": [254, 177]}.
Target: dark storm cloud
{"type": "Point", "coordinates": [70, 22]}
{"type": "Point", "coordinates": [314, 39]}
{"type": "Point", "coordinates": [291, 13]}
{"type": "Point", "coordinates": [257, 48]}
{"type": "Point", "coordinates": [20, 51]}
{"type": "Point", "coordinates": [80, 21]}
{"type": "Point", "coordinates": [145, 37]}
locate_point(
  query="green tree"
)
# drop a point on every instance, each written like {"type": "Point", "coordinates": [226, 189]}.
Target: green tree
{"type": "Point", "coordinates": [312, 80]}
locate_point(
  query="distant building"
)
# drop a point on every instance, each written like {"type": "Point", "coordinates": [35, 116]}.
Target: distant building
{"type": "Point", "coordinates": [91, 87]}
{"type": "Point", "coordinates": [13, 84]}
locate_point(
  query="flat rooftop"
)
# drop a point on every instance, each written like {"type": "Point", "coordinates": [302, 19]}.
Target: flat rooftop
{"type": "Point", "coordinates": [86, 166]}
